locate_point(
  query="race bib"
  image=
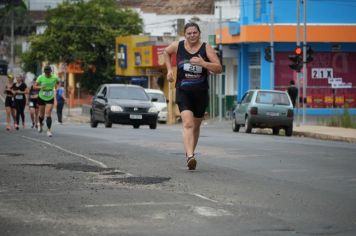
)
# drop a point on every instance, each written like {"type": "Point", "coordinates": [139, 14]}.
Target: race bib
{"type": "Point", "coordinates": [18, 97]}
{"type": "Point", "coordinates": [48, 93]}
{"type": "Point", "coordinates": [192, 68]}
{"type": "Point", "coordinates": [31, 104]}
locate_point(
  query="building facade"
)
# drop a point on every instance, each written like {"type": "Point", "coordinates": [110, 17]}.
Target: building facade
{"type": "Point", "coordinates": [329, 80]}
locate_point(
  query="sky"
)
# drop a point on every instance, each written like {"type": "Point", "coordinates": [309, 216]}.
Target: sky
{"type": "Point", "coordinates": [43, 4]}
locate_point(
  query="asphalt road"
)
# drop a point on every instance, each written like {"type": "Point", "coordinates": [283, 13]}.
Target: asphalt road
{"type": "Point", "coordinates": [125, 181]}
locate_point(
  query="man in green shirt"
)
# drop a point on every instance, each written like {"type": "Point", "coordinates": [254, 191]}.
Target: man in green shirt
{"type": "Point", "coordinates": [47, 84]}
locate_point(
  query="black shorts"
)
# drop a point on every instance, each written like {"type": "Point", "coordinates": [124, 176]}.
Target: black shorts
{"type": "Point", "coordinates": [33, 103]}
{"type": "Point", "coordinates": [43, 102]}
{"type": "Point", "coordinates": [193, 100]}
{"type": "Point", "coordinates": [9, 102]}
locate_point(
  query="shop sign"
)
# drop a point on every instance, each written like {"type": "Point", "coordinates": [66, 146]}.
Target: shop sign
{"type": "Point", "coordinates": [122, 55]}
{"type": "Point", "coordinates": [158, 57]}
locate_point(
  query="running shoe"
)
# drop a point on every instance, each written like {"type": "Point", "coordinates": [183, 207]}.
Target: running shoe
{"type": "Point", "coordinates": [8, 127]}
{"type": "Point", "coordinates": [39, 128]}
{"type": "Point", "coordinates": [49, 133]}
{"type": "Point", "coordinates": [16, 127]}
{"type": "Point", "coordinates": [191, 163]}
{"type": "Point", "coordinates": [33, 125]}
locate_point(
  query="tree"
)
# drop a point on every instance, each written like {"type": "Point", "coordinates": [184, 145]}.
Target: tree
{"type": "Point", "coordinates": [84, 32]}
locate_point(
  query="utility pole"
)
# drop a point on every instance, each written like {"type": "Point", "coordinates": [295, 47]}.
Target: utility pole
{"type": "Point", "coordinates": [305, 74]}
{"type": "Point", "coordinates": [12, 54]}
{"type": "Point", "coordinates": [298, 73]}
{"type": "Point", "coordinates": [220, 75]}
{"type": "Point", "coordinates": [272, 46]}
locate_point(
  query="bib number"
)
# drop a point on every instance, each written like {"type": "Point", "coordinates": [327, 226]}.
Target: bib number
{"type": "Point", "coordinates": [47, 93]}
{"type": "Point", "coordinates": [18, 97]}
{"type": "Point", "coordinates": [192, 68]}
{"type": "Point", "coordinates": [31, 104]}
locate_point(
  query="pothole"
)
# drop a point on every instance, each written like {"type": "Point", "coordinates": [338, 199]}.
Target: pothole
{"type": "Point", "coordinates": [78, 167]}
{"type": "Point", "coordinates": [142, 180]}
{"type": "Point", "coordinates": [10, 154]}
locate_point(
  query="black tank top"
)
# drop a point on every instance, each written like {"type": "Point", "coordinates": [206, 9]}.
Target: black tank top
{"type": "Point", "coordinates": [191, 77]}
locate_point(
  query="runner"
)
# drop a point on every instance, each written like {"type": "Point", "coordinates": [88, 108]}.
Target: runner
{"type": "Point", "coordinates": [33, 105]}
{"type": "Point", "coordinates": [9, 102]}
{"type": "Point", "coordinates": [195, 59]}
{"type": "Point", "coordinates": [19, 89]}
{"type": "Point", "coordinates": [46, 83]}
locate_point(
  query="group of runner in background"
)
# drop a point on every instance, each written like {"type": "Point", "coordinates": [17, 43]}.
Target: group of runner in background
{"type": "Point", "coordinates": [40, 97]}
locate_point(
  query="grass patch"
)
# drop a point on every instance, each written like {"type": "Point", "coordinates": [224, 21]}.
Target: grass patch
{"type": "Point", "coordinates": [345, 120]}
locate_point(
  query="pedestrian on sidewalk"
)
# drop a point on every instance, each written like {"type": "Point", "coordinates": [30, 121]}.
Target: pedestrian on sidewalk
{"type": "Point", "coordinates": [293, 92]}
{"type": "Point", "coordinates": [195, 59]}
{"type": "Point", "coordinates": [33, 104]}
{"type": "Point", "coordinates": [9, 102]}
{"type": "Point", "coordinates": [47, 84]}
{"type": "Point", "coordinates": [19, 89]}
{"type": "Point", "coordinates": [60, 98]}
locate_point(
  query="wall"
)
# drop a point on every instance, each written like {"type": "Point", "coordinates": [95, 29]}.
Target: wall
{"type": "Point", "coordinates": [258, 11]}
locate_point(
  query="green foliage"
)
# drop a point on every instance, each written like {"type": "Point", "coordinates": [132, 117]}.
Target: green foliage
{"type": "Point", "coordinates": [344, 120]}
{"type": "Point", "coordinates": [23, 24]}
{"type": "Point", "coordinates": [84, 32]}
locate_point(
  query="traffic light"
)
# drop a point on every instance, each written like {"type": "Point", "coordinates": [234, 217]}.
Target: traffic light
{"type": "Point", "coordinates": [310, 53]}
{"type": "Point", "coordinates": [297, 59]}
{"type": "Point", "coordinates": [268, 53]}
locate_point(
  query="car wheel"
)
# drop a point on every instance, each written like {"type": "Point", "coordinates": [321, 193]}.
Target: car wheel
{"type": "Point", "coordinates": [289, 130]}
{"type": "Point", "coordinates": [235, 127]}
{"type": "Point", "coordinates": [136, 126]}
{"type": "Point", "coordinates": [275, 131]}
{"type": "Point", "coordinates": [248, 126]}
{"type": "Point", "coordinates": [93, 122]}
{"type": "Point", "coordinates": [108, 123]}
{"type": "Point", "coordinates": [153, 126]}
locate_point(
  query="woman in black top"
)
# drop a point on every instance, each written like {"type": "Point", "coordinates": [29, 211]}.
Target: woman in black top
{"type": "Point", "coordinates": [195, 60]}
{"type": "Point", "coordinates": [33, 104]}
{"type": "Point", "coordinates": [9, 102]}
{"type": "Point", "coordinates": [19, 89]}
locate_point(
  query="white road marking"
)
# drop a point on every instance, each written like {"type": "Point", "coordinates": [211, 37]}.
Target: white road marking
{"type": "Point", "coordinates": [211, 212]}
{"type": "Point", "coordinates": [203, 197]}
{"type": "Point", "coordinates": [67, 151]}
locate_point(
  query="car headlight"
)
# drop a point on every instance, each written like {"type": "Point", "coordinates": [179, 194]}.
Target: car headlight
{"type": "Point", "coordinates": [153, 109]}
{"type": "Point", "coordinates": [116, 108]}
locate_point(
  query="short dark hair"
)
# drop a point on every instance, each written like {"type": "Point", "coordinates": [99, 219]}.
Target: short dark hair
{"type": "Point", "coordinates": [47, 69]}
{"type": "Point", "coordinates": [191, 24]}
{"type": "Point", "coordinates": [292, 82]}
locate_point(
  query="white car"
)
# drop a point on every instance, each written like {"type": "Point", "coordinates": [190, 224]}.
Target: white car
{"type": "Point", "coordinates": [160, 101]}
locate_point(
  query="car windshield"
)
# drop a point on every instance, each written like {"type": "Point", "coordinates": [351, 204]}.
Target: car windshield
{"type": "Point", "coordinates": [128, 93]}
{"type": "Point", "coordinates": [267, 97]}
{"type": "Point", "coordinates": [158, 96]}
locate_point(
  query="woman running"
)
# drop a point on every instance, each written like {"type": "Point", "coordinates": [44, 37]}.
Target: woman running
{"type": "Point", "coordinates": [9, 102]}
{"type": "Point", "coordinates": [47, 84]}
{"type": "Point", "coordinates": [19, 89]}
{"type": "Point", "coordinates": [33, 105]}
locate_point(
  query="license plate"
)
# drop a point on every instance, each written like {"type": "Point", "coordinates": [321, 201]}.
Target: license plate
{"type": "Point", "coordinates": [135, 117]}
{"type": "Point", "coordinates": [272, 113]}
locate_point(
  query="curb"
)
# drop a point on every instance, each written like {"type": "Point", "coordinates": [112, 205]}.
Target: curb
{"type": "Point", "coordinates": [323, 136]}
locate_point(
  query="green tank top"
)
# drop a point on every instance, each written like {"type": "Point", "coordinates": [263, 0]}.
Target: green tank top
{"type": "Point", "coordinates": [47, 92]}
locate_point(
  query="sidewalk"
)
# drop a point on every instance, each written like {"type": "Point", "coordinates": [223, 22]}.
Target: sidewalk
{"type": "Point", "coordinates": [309, 130]}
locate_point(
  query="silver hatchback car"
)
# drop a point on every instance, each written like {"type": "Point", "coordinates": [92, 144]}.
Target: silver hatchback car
{"type": "Point", "coordinates": [264, 109]}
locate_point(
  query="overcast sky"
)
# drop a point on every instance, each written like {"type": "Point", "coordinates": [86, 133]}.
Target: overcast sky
{"type": "Point", "coordinates": [43, 4]}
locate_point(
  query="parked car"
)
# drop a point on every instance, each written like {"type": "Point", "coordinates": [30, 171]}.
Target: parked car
{"type": "Point", "coordinates": [160, 103]}
{"type": "Point", "coordinates": [264, 109]}
{"type": "Point", "coordinates": [122, 104]}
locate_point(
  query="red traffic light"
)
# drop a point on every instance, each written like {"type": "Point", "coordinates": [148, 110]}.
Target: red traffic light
{"type": "Point", "coordinates": [298, 51]}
